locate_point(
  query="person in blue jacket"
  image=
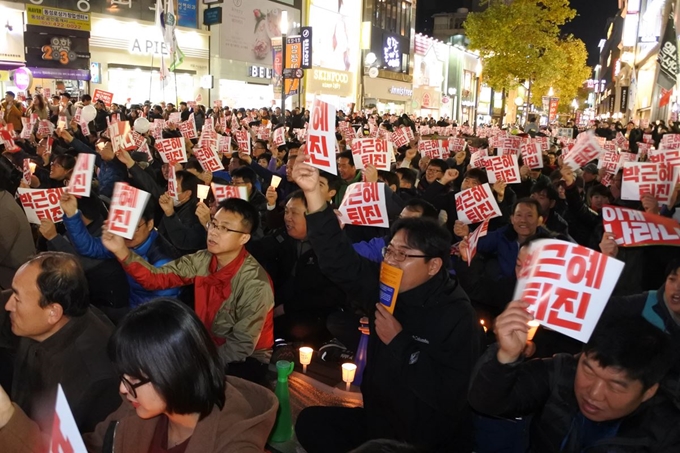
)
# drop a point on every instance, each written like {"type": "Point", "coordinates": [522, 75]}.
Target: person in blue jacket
{"type": "Point", "coordinates": [373, 249]}
{"type": "Point", "coordinates": [146, 242]}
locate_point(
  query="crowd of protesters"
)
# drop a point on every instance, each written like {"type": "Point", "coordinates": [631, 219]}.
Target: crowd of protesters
{"type": "Point", "coordinates": [183, 320]}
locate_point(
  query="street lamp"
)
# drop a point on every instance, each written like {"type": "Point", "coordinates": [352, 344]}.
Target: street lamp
{"type": "Point", "coordinates": [284, 31]}
{"type": "Point", "coordinates": [478, 73]}
{"type": "Point", "coordinates": [551, 92]}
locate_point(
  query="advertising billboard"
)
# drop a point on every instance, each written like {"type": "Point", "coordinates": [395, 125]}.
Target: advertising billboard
{"type": "Point", "coordinates": [337, 34]}
{"type": "Point", "coordinates": [248, 28]}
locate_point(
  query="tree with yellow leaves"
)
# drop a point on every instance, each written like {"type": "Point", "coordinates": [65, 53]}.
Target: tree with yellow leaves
{"type": "Point", "coordinates": [520, 40]}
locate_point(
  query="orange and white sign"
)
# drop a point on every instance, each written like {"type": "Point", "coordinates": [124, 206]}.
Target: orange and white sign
{"type": "Point", "coordinates": [121, 138]}
{"type": "Point", "coordinates": [105, 96]}
{"type": "Point", "coordinates": [172, 150]}
{"type": "Point", "coordinates": [503, 168]}
{"type": "Point", "coordinates": [372, 151]}
{"type": "Point", "coordinates": [127, 207]}
{"type": "Point", "coordinates": [364, 204]}
{"type": "Point", "coordinates": [41, 204]}
{"type": "Point", "coordinates": [476, 204]}
{"type": "Point", "coordinates": [646, 179]}
{"type": "Point", "coordinates": [632, 228]}
{"type": "Point", "coordinates": [80, 183]}
{"type": "Point", "coordinates": [223, 192]}
{"type": "Point", "coordinates": [567, 286]}
{"type": "Point", "coordinates": [321, 141]}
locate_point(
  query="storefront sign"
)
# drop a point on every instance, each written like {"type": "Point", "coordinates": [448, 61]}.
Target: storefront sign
{"type": "Point", "coordinates": [260, 72]}
{"type": "Point", "coordinates": [66, 49]}
{"type": "Point", "coordinates": [306, 35]}
{"type": "Point", "coordinates": [58, 73]}
{"type": "Point", "coordinates": [401, 91]}
{"type": "Point", "coordinates": [187, 13]}
{"type": "Point", "coordinates": [148, 46]}
{"type": "Point", "coordinates": [391, 52]}
{"type": "Point", "coordinates": [212, 16]}
{"type": "Point", "coordinates": [22, 78]}
{"type": "Point", "coordinates": [293, 60]}
{"type": "Point", "coordinates": [58, 18]}
{"type": "Point", "coordinates": [59, 49]}
{"type": "Point", "coordinates": [327, 81]}
{"type": "Point", "coordinates": [624, 99]}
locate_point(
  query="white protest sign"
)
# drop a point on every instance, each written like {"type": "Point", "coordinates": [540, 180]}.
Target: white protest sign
{"type": "Point", "coordinates": [567, 286]}
{"type": "Point", "coordinates": [321, 141]}
{"type": "Point", "coordinates": [646, 179]}
{"type": "Point", "coordinates": [172, 182]}
{"type": "Point", "coordinates": [223, 192]}
{"type": "Point", "coordinates": [279, 136]}
{"type": "Point", "coordinates": [434, 149]}
{"type": "Point", "coordinates": [531, 155]}
{"type": "Point", "coordinates": [172, 150]}
{"type": "Point", "coordinates": [375, 151]}
{"type": "Point", "coordinates": [208, 159]}
{"type": "Point", "coordinates": [80, 183]}
{"type": "Point", "coordinates": [632, 228]}
{"type": "Point", "coordinates": [65, 436]}
{"type": "Point", "coordinates": [41, 204]}
{"type": "Point", "coordinates": [503, 168]}
{"type": "Point", "coordinates": [584, 151]}
{"type": "Point", "coordinates": [365, 204]}
{"type": "Point", "coordinates": [473, 239]}
{"type": "Point", "coordinates": [476, 204]}
{"type": "Point", "coordinates": [243, 140]}
{"type": "Point", "coordinates": [127, 207]}
{"type": "Point", "coordinates": [27, 171]}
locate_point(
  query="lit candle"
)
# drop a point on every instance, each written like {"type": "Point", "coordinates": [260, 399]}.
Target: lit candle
{"type": "Point", "coordinates": [31, 165]}
{"type": "Point", "coordinates": [203, 191]}
{"type": "Point", "coordinates": [305, 357]}
{"type": "Point", "coordinates": [348, 370]}
{"type": "Point", "coordinates": [533, 327]}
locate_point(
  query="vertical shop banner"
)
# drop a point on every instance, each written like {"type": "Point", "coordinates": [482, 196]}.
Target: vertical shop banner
{"type": "Point", "coordinates": [187, 13]}
{"type": "Point", "coordinates": [293, 61]}
{"type": "Point", "coordinates": [668, 56]}
{"type": "Point", "coordinates": [277, 67]}
{"type": "Point", "coordinates": [306, 47]}
{"type": "Point", "coordinates": [554, 103]}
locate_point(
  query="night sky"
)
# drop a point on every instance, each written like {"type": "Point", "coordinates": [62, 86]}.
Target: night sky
{"type": "Point", "coordinates": [589, 25]}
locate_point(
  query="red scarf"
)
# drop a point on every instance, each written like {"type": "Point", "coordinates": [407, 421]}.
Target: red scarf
{"type": "Point", "coordinates": [213, 290]}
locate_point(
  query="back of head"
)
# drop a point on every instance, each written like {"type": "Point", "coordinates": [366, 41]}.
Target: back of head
{"type": "Point", "coordinates": [247, 174]}
{"type": "Point", "coordinates": [428, 211]}
{"type": "Point", "coordinates": [478, 174]}
{"type": "Point", "coordinates": [544, 186]}
{"type": "Point", "coordinates": [386, 446]}
{"type": "Point", "coordinates": [62, 281]}
{"type": "Point", "coordinates": [246, 210]}
{"type": "Point", "coordinates": [407, 175]}
{"type": "Point", "coordinates": [165, 342]}
{"type": "Point", "coordinates": [189, 181]}
{"type": "Point", "coordinates": [426, 235]}
{"type": "Point", "coordinates": [633, 345]}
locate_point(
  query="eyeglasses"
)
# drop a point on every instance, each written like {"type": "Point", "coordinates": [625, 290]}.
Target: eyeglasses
{"type": "Point", "coordinates": [221, 229]}
{"type": "Point", "coordinates": [397, 255]}
{"type": "Point", "coordinates": [433, 170]}
{"type": "Point", "coordinates": [132, 388]}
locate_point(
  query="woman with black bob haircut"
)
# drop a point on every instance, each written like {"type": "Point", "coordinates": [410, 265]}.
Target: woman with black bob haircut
{"type": "Point", "coordinates": [177, 396]}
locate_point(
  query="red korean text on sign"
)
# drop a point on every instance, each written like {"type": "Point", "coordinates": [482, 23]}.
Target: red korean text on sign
{"type": "Point", "coordinates": [362, 206]}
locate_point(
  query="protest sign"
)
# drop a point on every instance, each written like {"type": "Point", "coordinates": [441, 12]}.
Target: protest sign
{"type": "Point", "coordinates": [79, 112]}
{"type": "Point", "coordinates": [647, 138]}
{"type": "Point", "coordinates": [41, 204]}
{"type": "Point", "coordinates": [372, 151]}
{"type": "Point", "coordinates": [646, 179]}
{"type": "Point", "coordinates": [400, 137]}
{"type": "Point", "coordinates": [511, 145]}
{"type": "Point", "coordinates": [208, 159]}
{"type": "Point", "coordinates": [224, 144]}
{"type": "Point", "coordinates": [127, 206]}
{"type": "Point", "coordinates": [243, 139]}
{"type": "Point", "coordinates": [632, 228]}
{"type": "Point", "coordinates": [476, 204]}
{"type": "Point", "coordinates": [172, 150]}
{"type": "Point", "coordinates": [457, 145]}
{"type": "Point", "coordinates": [390, 281]}
{"type": "Point", "coordinates": [175, 118]}
{"type": "Point", "coordinates": [365, 204]}
{"type": "Point", "coordinates": [668, 156]}
{"type": "Point", "coordinates": [434, 149]}
{"type": "Point", "coordinates": [7, 139]}
{"type": "Point", "coordinates": [121, 138]}
{"type": "Point", "coordinates": [584, 151]}
{"type": "Point", "coordinates": [26, 128]}
{"type": "Point", "coordinates": [105, 96]}
{"type": "Point", "coordinates": [321, 141]}
{"type": "Point", "coordinates": [80, 183]}
{"type": "Point", "coordinates": [478, 159]}
{"type": "Point", "coordinates": [531, 155]}
{"type": "Point", "coordinates": [27, 171]}
{"type": "Point", "coordinates": [503, 168]}
{"type": "Point", "coordinates": [473, 239]}
{"type": "Point", "coordinates": [65, 436]}
{"type": "Point", "coordinates": [279, 138]}
{"type": "Point", "coordinates": [567, 286]}
{"type": "Point", "coordinates": [670, 141]}
{"type": "Point", "coordinates": [173, 187]}
{"type": "Point", "coordinates": [263, 133]}
{"type": "Point", "coordinates": [223, 192]}
{"type": "Point", "coordinates": [188, 128]}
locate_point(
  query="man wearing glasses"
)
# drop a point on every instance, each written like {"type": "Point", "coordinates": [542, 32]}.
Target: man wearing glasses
{"type": "Point", "coordinates": [232, 292]}
{"type": "Point", "coordinates": [420, 358]}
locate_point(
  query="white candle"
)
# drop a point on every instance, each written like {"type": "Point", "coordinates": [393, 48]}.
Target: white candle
{"type": "Point", "coordinates": [31, 165]}
{"type": "Point", "coordinates": [305, 357]}
{"type": "Point", "coordinates": [348, 370]}
{"type": "Point", "coordinates": [202, 192]}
